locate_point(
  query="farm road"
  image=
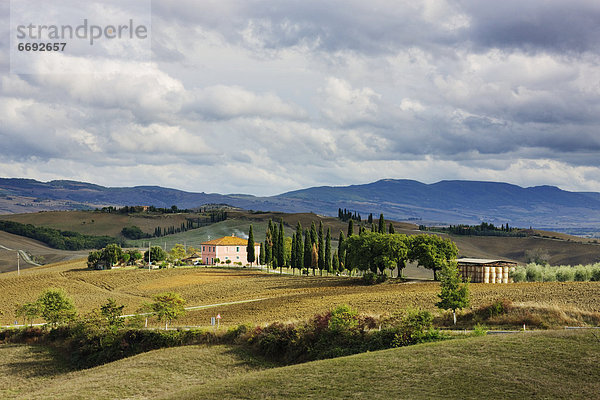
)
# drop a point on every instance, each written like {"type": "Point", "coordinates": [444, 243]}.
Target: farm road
{"type": "Point", "coordinates": [23, 255]}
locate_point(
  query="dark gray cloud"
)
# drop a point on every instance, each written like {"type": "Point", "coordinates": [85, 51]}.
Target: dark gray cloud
{"type": "Point", "coordinates": [564, 27]}
{"type": "Point", "coordinates": [267, 96]}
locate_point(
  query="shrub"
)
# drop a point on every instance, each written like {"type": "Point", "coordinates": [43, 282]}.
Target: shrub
{"type": "Point", "coordinates": [370, 278]}
{"type": "Point", "coordinates": [582, 273]}
{"type": "Point", "coordinates": [595, 273]}
{"type": "Point", "coordinates": [519, 274]}
{"type": "Point", "coordinates": [534, 273]}
{"type": "Point", "coordinates": [479, 330]}
{"type": "Point", "coordinates": [343, 318]}
{"type": "Point", "coordinates": [549, 274]}
{"type": "Point", "coordinates": [564, 273]}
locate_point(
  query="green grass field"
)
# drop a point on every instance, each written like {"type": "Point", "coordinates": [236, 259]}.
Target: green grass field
{"type": "Point", "coordinates": [549, 365]}
{"type": "Point", "coordinates": [541, 365]}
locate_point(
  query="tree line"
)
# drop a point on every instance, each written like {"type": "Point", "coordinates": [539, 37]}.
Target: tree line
{"type": "Point", "coordinates": [57, 239]}
{"type": "Point", "coordinates": [347, 215]}
{"type": "Point", "coordinates": [375, 251]}
{"type": "Point", "coordinates": [140, 209]}
{"type": "Point", "coordinates": [483, 229]}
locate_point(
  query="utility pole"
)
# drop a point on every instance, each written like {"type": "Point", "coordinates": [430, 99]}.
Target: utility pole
{"type": "Point", "coordinates": [18, 264]}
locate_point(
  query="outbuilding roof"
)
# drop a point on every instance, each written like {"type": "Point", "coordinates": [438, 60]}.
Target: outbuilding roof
{"type": "Point", "coordinates": [482, 261]}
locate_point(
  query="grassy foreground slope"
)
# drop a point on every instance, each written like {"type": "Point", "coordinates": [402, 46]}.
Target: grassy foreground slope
{"type": "Point", "coordinates": [33, 372]}
{"type": "Point", "coordinates": [549, 365]}
{"type": "Point", "coordinates": [545, 365]}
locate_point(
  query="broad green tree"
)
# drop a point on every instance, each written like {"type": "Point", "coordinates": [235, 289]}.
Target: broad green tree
{"type": "Point", "coordinates": [112, 312]}
{"type": "Point", "coordinates": [376, 252]}
{"type": "Point", "coordinates": [177, 252]}
{"type": "Point", "coordinates": [156, 254]}
{"type": "Point", "coordinates": [29, 312]}
{"type": "Point", "coordinates": [431, 251]}
{"type": "Point", "coordinates": [56, 307]}
{"type": "Point", "coordinates": [250, 249]}
{"type": "Point", "coordinates": [134, 256]}
{"type": "Point", "coordinates": [454, 293]}
{"type": "Point", "coordinates": [168, 307]}
{"type": "Point", "coordinates": [111, 254]}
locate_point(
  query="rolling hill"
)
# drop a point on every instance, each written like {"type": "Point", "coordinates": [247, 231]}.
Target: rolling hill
{"type": "Point", "coordinates": [559, 248]}
{"type": "Point", "coordinates": [555, 364]}
{"type": "Point", "coordinates": [452, 202]}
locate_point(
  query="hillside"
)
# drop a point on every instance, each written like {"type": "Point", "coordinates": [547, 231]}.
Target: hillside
{"type": "Point", "coordinates": [452, 202]}
{"type": "Point", "coordinates": [560, 248]}
{"type": "Point", "coordinates": [38, 252]}
{"type": "Point", "coordinates": [557, 365]}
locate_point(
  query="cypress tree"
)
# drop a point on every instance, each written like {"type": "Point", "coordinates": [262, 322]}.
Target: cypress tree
{"type": "Point", "coordinates": [381, 224]}
{"type": "Point", "coordinates": [370, 220]}
{"type": "Point", "coordinates": [350, 228]}
{"type": "Point", "coordinates": [299, 247]}
{"type": "Point", "coordinates": [336, 263]}
{"type": "Point", "coordinates": [250, 248]}
{"type": "Point", "coordinates": [313, 233]}
{"type": "Point", "coordinates": [314, 258]}
{"type": "Point", "coordinates": [268, 247]}
{"type": "Point", "coordinates": [293, 255]}
{"type": "Point", "coordinates": [328, 251]}
{"type": "Point", "coordinates": [341, 250]}
{"type": "Point", "coordinates": [373, 228]}
{"type": "Point", "coordinates": [307, 249]}
{"type": "Point", "coordinates": [261, 255]}
{"type": "Point", "coordinates": [321, 249]}
{"type": "Point", "coordinates": [275, 247]}
{"type": "Point", "coordinates": [391, 229]}
{"type": "Point", "coordinates": [281, 247]}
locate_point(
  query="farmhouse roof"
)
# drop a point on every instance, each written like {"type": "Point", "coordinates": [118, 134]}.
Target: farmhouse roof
{"type": "Point", "coordinates": [194, 255]}
{"type": "Point", "coordinates": [481, 261]}
{"type": "Point", "coordinates": [227, 241]}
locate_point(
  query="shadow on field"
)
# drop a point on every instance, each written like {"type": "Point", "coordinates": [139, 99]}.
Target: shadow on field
{"type": "Point", "coordinates": [38, 361]}
{"type": "Point", "coordinates": [307, 282]}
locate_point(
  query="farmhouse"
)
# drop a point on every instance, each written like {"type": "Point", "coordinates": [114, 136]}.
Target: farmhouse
{"type": "Point", "coordinates": [486, 271]}
{"type": "Point", "coordinates": [193, 258]}
{"type": "Point", "coordinates": [227, 248]}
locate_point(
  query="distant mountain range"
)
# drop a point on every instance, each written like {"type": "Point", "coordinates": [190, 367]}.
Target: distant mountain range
{"type": "Point", "coordinates": [445, 202]}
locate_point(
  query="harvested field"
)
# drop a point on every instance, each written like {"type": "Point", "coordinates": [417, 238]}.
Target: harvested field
{"type": "Point", "coordinates": [284, 297]}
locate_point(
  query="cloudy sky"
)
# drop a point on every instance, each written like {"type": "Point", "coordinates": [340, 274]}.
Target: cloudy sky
{"type": "Point", "coordinates": [267, 96]}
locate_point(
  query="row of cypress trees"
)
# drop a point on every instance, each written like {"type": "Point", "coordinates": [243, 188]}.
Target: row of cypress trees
{"type": "Point", "coordinates": [310, 248]}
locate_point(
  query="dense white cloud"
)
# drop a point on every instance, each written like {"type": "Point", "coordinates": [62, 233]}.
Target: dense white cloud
{"type": "Point", "coordinates": [264, 96]}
